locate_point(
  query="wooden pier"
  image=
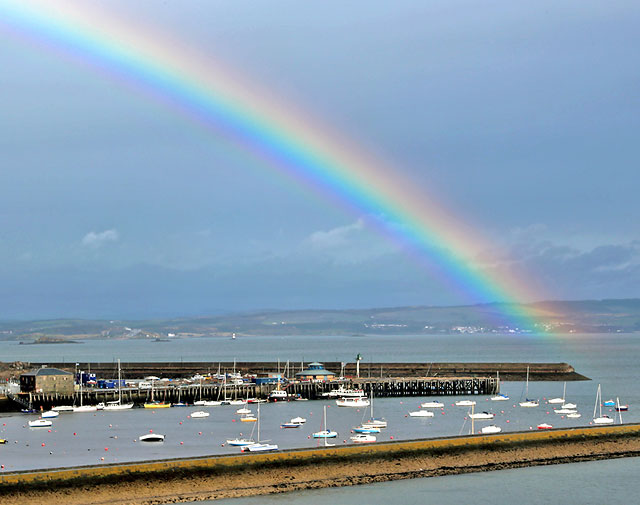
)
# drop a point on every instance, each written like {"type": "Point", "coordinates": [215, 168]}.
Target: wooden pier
{"type": "Point", "coordinates": [389, 387]}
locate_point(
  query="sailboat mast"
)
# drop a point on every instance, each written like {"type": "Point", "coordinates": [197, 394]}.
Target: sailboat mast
{"type": "Point", "coordinates": [619, 409]}
{"type": "Point", "coordinates": [119, 385]}
{"type": "Point", "coordinates": [258, 423]}
{"type": "Point", "coordinates": [595, 407]}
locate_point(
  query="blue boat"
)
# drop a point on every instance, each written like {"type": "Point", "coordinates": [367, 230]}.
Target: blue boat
{"type": "Point", "coordinates": [362, 429]}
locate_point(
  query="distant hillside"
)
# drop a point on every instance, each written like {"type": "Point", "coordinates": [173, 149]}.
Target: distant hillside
{"type": "Point", "coordinates": [591, 316]}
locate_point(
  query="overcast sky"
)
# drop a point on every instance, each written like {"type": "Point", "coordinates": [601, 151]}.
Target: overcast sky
{"type": "Point", "coordinates": [524, 117]}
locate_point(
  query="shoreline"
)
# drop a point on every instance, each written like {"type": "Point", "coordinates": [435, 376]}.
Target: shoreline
{"type": "Point", "coordinates": [197, 479]}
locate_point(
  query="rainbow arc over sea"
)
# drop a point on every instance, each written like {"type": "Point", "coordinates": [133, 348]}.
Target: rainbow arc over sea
{"type": "Point", "coordinates": [277, 135]}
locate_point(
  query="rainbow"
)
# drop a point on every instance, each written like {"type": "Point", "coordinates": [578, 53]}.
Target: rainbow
{"type": "Point", "coordinates": [279, 136]}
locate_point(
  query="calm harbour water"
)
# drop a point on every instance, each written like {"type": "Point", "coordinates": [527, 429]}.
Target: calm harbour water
{"type": "Point", "coordinates": [609, 359]}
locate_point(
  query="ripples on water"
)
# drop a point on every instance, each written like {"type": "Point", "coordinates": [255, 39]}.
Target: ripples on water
{"type": "Point", "coordinates": [593, 482]}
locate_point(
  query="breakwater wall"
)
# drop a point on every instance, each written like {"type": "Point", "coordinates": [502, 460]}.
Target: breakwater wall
{"type": "Point", "coordinates": [177, 480]}
{"type": "Point", "coordinates": [507, 371]}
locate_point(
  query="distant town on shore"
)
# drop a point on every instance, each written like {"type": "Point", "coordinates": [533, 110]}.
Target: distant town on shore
{"type": "Point", "coordinates": [588, 316]}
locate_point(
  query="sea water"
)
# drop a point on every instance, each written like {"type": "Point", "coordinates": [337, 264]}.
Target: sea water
{"type": "Point", "coordinates": [109, 437]}
{"type": "Point", "coordinates": [588, 483]}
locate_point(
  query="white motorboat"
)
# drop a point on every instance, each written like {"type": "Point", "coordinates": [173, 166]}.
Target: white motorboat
{"type": "Point", "coordinates": [601, 419]}
{"type": "Point", "coordinates": [299, 420]}
{"type": "Point", "coordinates": [151, 437]}
{"type": "Point", "coordinates": [361, 438]}
{"type": "Point", "coordinates": [49, 414]}
{"type": "Point", "coordinates": [342, 392]}
{"type": "Point", "coordinates": [465, 403]}
{"type": "Point", "coordinates": [353, 402]}
{"type": "Point", "coordinates": [85, 408]}
{"type": "Point", "coordinates": [278, 395]}
{"type": "Point", "coordinates": [243, 410]}
{"type": "Point", "coordinates": [421, 413]}
{"type": "Point", "coordinates": [499, 398]}
{"type": "Point", "coordinates": [116, 405]}
{"type": "Point", "coordinates": [574, 415]}
{"type": "Point", "coordinates": [569, 406]}
{"type": "Point", "coordinates": [481, 416]}
{"type": "Point", "coordinates": [236, 402]}
{"type": "Point", "coordinates": [199, 414]}
{"type": "Point", "coordinates": [63, 408]}
{"type": "Point", "coordinates": [565, 411]}
{"type": "Point", "coordinates": [492, 428]}
{"type": "Point", "coordinates": [375, 423]}
{"type": "Point", "coordinates": [432, 405]}
{"type": "Point", "coordinates": [40, 423]}
{"type": "Point", "coordinates": [545, 426]}
{"type": "Point", "coordinates": [211, 403]}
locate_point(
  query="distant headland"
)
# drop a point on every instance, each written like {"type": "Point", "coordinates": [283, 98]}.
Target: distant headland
{"type": "Point", "coordinates": [556, 317]}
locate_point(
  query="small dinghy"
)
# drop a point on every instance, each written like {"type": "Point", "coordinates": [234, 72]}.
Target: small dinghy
{"type": "Point", "coordinates": [362, 438]}
{"type": "Point", "coordinates": [151, 437]}
{"type": "Point", "coordinates": [199, 414]}
{"type": "Point", "coordinates": [40, 423]}
{"type": "Point", "coordinates": [432, 405]}
{"type": "Point", "coordinates": [421, 413]}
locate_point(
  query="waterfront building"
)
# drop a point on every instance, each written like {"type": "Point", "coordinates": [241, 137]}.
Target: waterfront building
{"type": "Point", "coordinates": [315, 372]}
{"type": "Point", "coordinates": [47, 380]}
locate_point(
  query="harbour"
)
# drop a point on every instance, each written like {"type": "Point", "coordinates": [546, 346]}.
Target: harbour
{"type": "Point", "coordinates": [177, 385]}
{"type": "Point", "coordinates": [81, 439]}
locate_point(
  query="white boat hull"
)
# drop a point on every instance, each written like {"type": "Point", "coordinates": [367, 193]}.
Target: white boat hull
{"type": "Point", "coordinates": [40, 423]}
{"type": "Point", "coordinates": [432, 405]}
{"type": "Point", "coordinates": [421, 413]}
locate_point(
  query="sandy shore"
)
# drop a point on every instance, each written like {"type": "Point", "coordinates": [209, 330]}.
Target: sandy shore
{"type": "Point", "coordinates": [277, 478]}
